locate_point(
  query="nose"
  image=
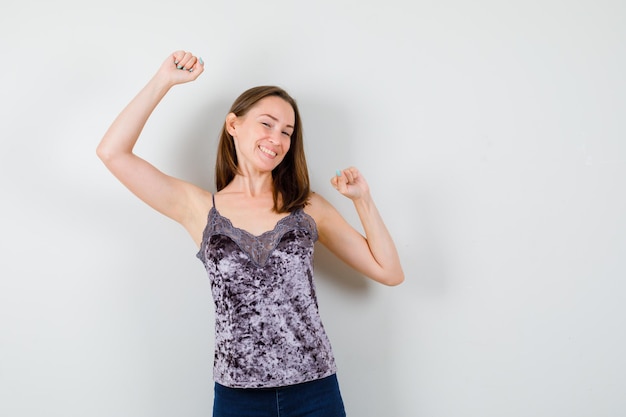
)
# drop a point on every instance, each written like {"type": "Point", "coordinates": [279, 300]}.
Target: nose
{"type": "Point", "coordinates": [275, 136]}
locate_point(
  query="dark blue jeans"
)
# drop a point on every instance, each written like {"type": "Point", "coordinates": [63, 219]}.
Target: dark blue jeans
{"type": "Point", "coordinates": [320, 398]}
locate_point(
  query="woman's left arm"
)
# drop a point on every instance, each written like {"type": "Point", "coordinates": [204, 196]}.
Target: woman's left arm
{"type": "Point", "coordinates": [374, 254]}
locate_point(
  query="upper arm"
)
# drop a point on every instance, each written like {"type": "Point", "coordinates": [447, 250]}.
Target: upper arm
{"type": "Point", "coordinates": [170, 196]}
{"type": "Point", "coordinates": [342, 239]}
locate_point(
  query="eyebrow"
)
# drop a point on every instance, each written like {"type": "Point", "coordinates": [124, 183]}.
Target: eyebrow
{"type": "Point", "coordinates": [274, 118]}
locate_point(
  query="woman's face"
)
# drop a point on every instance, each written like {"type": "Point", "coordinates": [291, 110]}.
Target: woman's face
{"type": "Point", "coordinates": [263, 135]}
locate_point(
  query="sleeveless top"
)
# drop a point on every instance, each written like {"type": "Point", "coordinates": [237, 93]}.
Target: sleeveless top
{"type": "Point", "coordinates": [268, 331]}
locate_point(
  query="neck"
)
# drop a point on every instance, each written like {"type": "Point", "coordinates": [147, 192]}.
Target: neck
{"type": "Point", "coordinates": [253, 186]}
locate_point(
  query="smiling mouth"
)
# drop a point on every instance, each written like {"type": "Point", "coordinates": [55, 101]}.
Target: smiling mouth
{"type": "Point", "coordinates": [267, 151]}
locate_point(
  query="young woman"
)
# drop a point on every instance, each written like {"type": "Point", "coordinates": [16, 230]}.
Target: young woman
{"type": "Point", "coordinates": [256, 236]}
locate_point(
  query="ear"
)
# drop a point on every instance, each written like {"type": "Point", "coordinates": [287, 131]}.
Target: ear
{"type": "Point", "coordinates": [231, 120]}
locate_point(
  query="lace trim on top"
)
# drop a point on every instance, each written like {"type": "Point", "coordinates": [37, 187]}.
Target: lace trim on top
{"type": "Point", "coordinates": [259, 248]}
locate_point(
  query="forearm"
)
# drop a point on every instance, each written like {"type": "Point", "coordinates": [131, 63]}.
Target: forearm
{"type": "Point", "coordinates": [379, 240]}
{"type": "Point", "coordinates": [123, 133]}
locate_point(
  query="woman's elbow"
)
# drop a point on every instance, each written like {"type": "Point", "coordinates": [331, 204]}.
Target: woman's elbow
{"type": "Point", "coordinates": [108, 154]}
{"type": "Point", "coordinates": [103, 153]}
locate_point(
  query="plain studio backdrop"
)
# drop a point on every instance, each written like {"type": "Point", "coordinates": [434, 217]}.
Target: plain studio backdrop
{"type": "Point", "coordinates": [492, 135]}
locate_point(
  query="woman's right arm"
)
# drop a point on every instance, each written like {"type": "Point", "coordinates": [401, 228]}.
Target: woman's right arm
{"type": "Point", "coordinates": [170, 196]}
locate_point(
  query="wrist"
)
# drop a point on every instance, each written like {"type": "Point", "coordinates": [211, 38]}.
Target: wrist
{"type": "Point", "coordinates": [364, 200]}
{"type": "Point", "coordinates": [160, 83]}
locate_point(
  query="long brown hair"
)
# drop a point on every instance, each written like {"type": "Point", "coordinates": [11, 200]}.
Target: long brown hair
{"type": "Point", "coordinates": [291, 177]}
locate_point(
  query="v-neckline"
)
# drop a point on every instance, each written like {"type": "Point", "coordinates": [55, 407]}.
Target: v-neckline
{"type": "Point", "coordinates": [260, 236]}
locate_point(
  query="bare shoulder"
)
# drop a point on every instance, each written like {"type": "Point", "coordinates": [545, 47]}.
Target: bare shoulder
{"type": "Point", "coordinates": [321, 210]}
{"type": "Point", "coordinates": [317, 205]}
{"type": "Point", "coordinates": [201, 202]}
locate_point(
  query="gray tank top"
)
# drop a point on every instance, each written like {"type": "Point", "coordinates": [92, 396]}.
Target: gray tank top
{"type": "Point", "coordinates": [268, 331]}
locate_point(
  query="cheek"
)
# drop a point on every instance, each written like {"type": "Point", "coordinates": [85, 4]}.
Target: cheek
{"type": "Point", "coordinates": [286, 145]}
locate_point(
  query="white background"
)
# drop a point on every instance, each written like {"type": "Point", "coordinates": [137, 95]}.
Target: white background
{"type": "Point", "coordinates": [493, 137]}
